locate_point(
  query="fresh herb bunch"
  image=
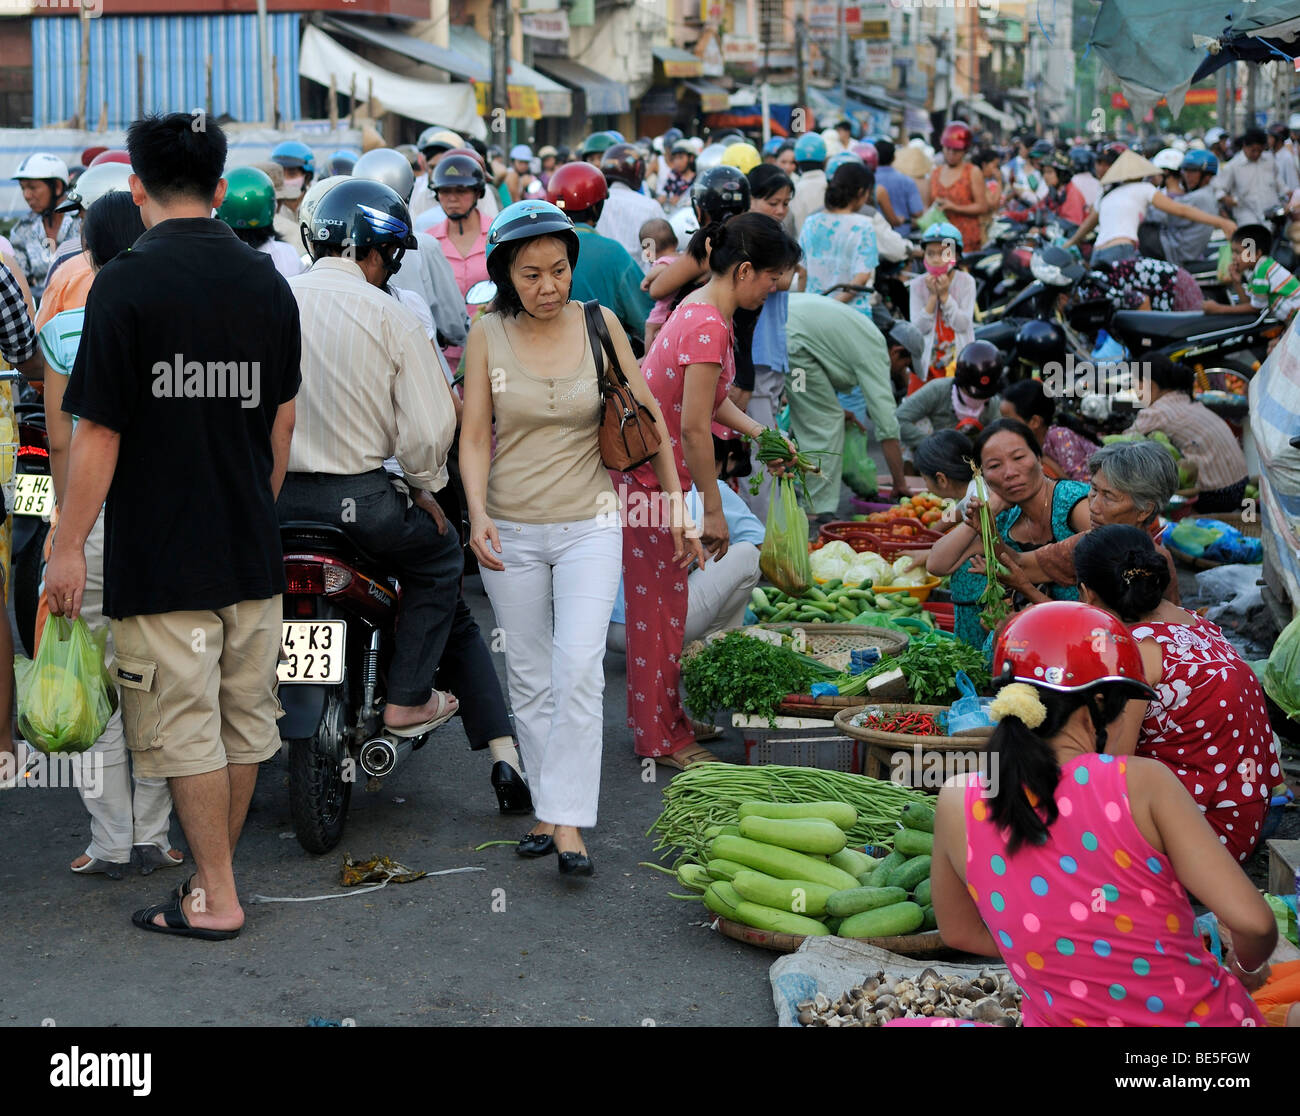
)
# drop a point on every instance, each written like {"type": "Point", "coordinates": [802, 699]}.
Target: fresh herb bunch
{"type": "Point", "coordinates": [743, 673]}
{"type": "Point", "coordinates": [773, 447]}
{"type": "Point", "coordinates": [930, 664]}
{"type": "Point", "coordinates": [994, 598]}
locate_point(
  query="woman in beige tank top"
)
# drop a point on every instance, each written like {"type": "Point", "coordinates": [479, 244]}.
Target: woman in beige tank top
{"type": "Point", "coordinates": [545, 523]}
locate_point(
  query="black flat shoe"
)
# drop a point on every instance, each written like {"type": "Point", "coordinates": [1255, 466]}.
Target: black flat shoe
{"type": "Point", "coordinates": [513, 796]}
{"type": "Point", "coordinates": [576, 864]}
{"type": "Point", "coordinates": [536, 844]}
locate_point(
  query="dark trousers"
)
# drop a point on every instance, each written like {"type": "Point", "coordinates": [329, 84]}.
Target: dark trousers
{"type": "Point", "coordinates": [406, 540]}
{"type": "Point", "coordinates": [468, 672]}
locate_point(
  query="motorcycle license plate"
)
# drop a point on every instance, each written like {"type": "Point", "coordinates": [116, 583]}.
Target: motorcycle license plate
{"type": "Point", "coordinates": [311, 651]}
{"type": "Point", "coordinates": [33, 495]}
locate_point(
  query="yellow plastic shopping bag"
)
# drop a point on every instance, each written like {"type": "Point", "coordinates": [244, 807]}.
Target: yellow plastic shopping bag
{"type": "Point", "coordinates": [65, 695]}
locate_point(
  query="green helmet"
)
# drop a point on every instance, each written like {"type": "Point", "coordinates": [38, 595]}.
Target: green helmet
{"type": "Point", "coordinates": [596, 144]}
{"type": "Point", "coordinates": [250, 199]}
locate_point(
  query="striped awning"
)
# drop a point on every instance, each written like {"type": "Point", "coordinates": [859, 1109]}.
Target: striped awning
{"type": "Point", "coordinates": [175, 49]}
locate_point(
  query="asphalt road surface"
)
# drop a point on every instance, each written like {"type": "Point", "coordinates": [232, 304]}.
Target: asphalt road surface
{"type": "Point", "coordinates": [608, 950]}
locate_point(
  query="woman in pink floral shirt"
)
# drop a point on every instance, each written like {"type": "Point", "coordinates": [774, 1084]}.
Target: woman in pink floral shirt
{"type": "Point", "coordinates": [1208, 722]}
{"type": "Point", "coordinates": [689, 369]}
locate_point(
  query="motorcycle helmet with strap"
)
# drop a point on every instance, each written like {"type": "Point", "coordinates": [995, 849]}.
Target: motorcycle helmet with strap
{"type": "Point", "coordinates": [293, 155]}
{"type": "Point", "coordinates": [809, 148]}
{"type": "Point", "coordinates": [526, 220]}
{"type": "Point", "coordinates": [94, 184]}
{"type": "Point", "coordinates": [1198, 159]}
{"type": "Point", "coordinates": [577, 188]}
{"type": "Point", "coordinates": [942, 231]}
{"type": "Point", "coordinates": [1068, 646]}
{"type": "Point", "coordinates": [250, 199]}
{"type": "Point", "coordinates": [456, 170]}
{"type": "Point", "coordinates": [359, 214]}
{"type": "Point", "coordinates": [979, 370]}
{"type": "Point", "coordinates": [719, 193]}
{"type": "Point", "coordinates": [622, 162]}
{"type": "Point", "coordinates": [1039, 343]}
{"type": "Point", "coordinates": [389, 166]}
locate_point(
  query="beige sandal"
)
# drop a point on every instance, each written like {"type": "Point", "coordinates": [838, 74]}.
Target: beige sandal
{"type": "Point", "coordinates": [687, 756]}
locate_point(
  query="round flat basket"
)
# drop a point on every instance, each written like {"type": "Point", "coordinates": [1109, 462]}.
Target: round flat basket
{"type": "Point", "coordinates": [926, 944]}
{"type": "Point", "coordinates": [903, 739]}
{"type": "Point", "coordinates": [827, 639]}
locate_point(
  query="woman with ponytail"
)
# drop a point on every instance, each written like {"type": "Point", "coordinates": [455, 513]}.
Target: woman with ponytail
{"type": "Point", "coordinates": [1207, 722]}
{"type": "Point", "coordinates": [689, 369]}
{"type": "Point", "coordinates": [1073, 861]}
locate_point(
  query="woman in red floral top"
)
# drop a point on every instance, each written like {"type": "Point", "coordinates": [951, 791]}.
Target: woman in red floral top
{"type": "Point", "coordinates": [689, 369]}
{"type": "Point", "coordinates": [1065, 451]}
{"type": "Point", "coordinates": [1208, 722]}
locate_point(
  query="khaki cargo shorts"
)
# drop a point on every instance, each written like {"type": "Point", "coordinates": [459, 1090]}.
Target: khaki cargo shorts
{"type": "Point", "coordinates": [198, 689]}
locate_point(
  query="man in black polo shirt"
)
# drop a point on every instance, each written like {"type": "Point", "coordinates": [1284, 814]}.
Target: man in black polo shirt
{"type": "Point", "coordinates": [184, 386]}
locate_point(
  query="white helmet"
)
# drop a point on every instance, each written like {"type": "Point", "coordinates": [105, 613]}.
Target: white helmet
{"type": "Point", "coordinates": [685, 225]}
{"type": "Point", "coordinates": [709, 158]}
{"type": "Point", "coordinates": [41, 164]}
{"type": "Point", "coordinates": [696, 143]}
{"type": "Point", "coordinates": [1179, 144]}
{"type": "Point", "coordinates": [107, 178]}
{"type": "Point", "coordinates": [1167, 159]}
{"type": "Point", "coordinates": [1294, 122]}
{"type": "Point", "coordinates": [1213, 136]}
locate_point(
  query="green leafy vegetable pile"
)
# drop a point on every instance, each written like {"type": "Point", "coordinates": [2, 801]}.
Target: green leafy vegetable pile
{"type": "Point", "coordinates": [743, 673]}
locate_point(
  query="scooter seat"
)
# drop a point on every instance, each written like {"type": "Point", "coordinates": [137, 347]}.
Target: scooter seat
{"type": "Point", "coordinates": [1156, 325]}
{"type": "Point", "coordinates": [298, 534]}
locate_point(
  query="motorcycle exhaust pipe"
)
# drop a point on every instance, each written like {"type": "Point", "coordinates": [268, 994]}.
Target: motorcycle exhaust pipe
{"type": "Point", "coordinates": [384, 754]}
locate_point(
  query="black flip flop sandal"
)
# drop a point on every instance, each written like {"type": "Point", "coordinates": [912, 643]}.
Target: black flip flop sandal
{"type": "Point", "coordinates": [173, 913]}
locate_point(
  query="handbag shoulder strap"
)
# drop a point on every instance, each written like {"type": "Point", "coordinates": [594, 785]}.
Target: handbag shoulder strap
{"type": "Point", "coordinates": [602, 343]}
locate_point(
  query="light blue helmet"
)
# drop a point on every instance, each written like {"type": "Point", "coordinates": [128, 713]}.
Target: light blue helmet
{"type": "Point", "coordinates": [524, 220]}
{"type": "Point", "coordinates": [291, 155]}
{"type": "Point", "coordinates": [839, 160]}
{"type": "Point", "coordinates": [810, 148]}
{"type": "Point", "coordinates": [941, 232]}
{"type": "Point", "coordinates": [1200, 160]}
{"type": "Point", "coordinates": [773, 145]}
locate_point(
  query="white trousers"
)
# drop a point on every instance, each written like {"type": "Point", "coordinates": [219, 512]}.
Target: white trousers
{"type": "Point", "coordinates": [553, 602]}
{"type": "Point", "coordinates": [120, 815]}
{"type": "Point", "coordinates": [718, 596]}
{"type": "Point", "coordinates": [764, 406]}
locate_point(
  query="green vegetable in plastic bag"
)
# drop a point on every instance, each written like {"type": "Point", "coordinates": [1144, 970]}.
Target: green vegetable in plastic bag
{"type": "Point", "coordinates": [1191, 539]}
{"type": "Point", "coordinates": [65, 695]}
{"type": "Point", "coordinates": [859, 468]}
{"type": "Point", "coordinates": [784, 554]}
{"type": "Point", "coordinates": [1281, 676]}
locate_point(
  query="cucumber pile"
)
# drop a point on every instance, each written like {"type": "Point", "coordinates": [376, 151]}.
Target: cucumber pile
{"type": "Point", "coordinates": [787, 868]}
{"type": "Point", "coordinates": [834, 603]}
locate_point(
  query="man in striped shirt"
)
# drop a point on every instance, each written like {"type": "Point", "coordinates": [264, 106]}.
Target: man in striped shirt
{"type": "Point", "coordinates": [372, 389]}
{"type": "Point", "coordinates": [1258, 279]}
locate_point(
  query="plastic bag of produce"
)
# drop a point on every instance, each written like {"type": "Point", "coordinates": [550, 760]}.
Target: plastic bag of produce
{"type": "Point", "coordinates": [859, 468]}
{"type": "Point", "coordinates": [784, 554]}
{"type": "Point", "coordinates": [1281, 676]}
{"type": "Point", "coordinates": [65, 696]}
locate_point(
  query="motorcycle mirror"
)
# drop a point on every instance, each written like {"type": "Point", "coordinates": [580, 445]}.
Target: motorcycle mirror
{"type": "Point", "coordinates": [481, 293]}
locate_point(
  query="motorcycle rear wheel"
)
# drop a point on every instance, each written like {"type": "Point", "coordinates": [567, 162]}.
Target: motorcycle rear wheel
{"type": "Point", "coordinates": [318, 792]}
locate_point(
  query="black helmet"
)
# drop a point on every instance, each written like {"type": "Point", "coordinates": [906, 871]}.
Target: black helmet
{"type": "Point", "coordinates": [1040, 343]}
{"type": "Point", "coordinates": [361, 214]}
{"type": "Point", "coordinates": [979, 369]}
{"type": "Point", "coordinates": [1041, 149]}
{"type": "Point", "coordinates": [1082, 159]}
{"type": "Point", "coordinates": [459, 170]}
{"type": "Point", "coordinates": [720, 192]}
{"type": "Point", "coordinates": [623, 163]}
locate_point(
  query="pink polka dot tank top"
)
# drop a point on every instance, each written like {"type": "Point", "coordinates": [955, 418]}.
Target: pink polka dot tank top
{"type": "Point", "coordinates": [1093, 924]}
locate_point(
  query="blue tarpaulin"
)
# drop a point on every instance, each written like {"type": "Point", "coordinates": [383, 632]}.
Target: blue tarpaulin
{"type": "Point", "coordinates": [1155, 48]}
{"type": "Point", "coordinates": [175, 49]}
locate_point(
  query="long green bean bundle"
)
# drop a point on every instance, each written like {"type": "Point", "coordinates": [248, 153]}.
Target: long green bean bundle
{"type": "Point", "coordinates": [709, 794]}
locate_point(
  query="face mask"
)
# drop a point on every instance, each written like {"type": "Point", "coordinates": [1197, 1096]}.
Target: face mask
{"type": "Point", "coordinates": [295, 181]}
{"type": "Point", "coordinates": [938, 269]}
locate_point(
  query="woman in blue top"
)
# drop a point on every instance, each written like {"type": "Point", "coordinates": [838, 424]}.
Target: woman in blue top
{"type": "Point", "coordinates": [1031, 511]}
{"type": "Point", "coordinates": [770, 191]}
{"type": "Point", "coordinates": [839, 243]}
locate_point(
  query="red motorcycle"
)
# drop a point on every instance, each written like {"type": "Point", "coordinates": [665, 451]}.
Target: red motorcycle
{"type": "Point", "coordinates": [340, 611]}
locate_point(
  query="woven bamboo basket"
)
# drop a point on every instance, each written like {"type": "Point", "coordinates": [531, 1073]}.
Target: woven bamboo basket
{"type": "Point", "coordinates": [825, 640]}
{"type": "Point", "coordinates": [927, 944]}
{"type": "Point", "coordinates": [882, 746]}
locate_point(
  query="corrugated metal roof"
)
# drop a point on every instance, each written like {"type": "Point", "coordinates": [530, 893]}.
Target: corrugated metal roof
{"type": "Point", "coordinates": [175, 50]}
